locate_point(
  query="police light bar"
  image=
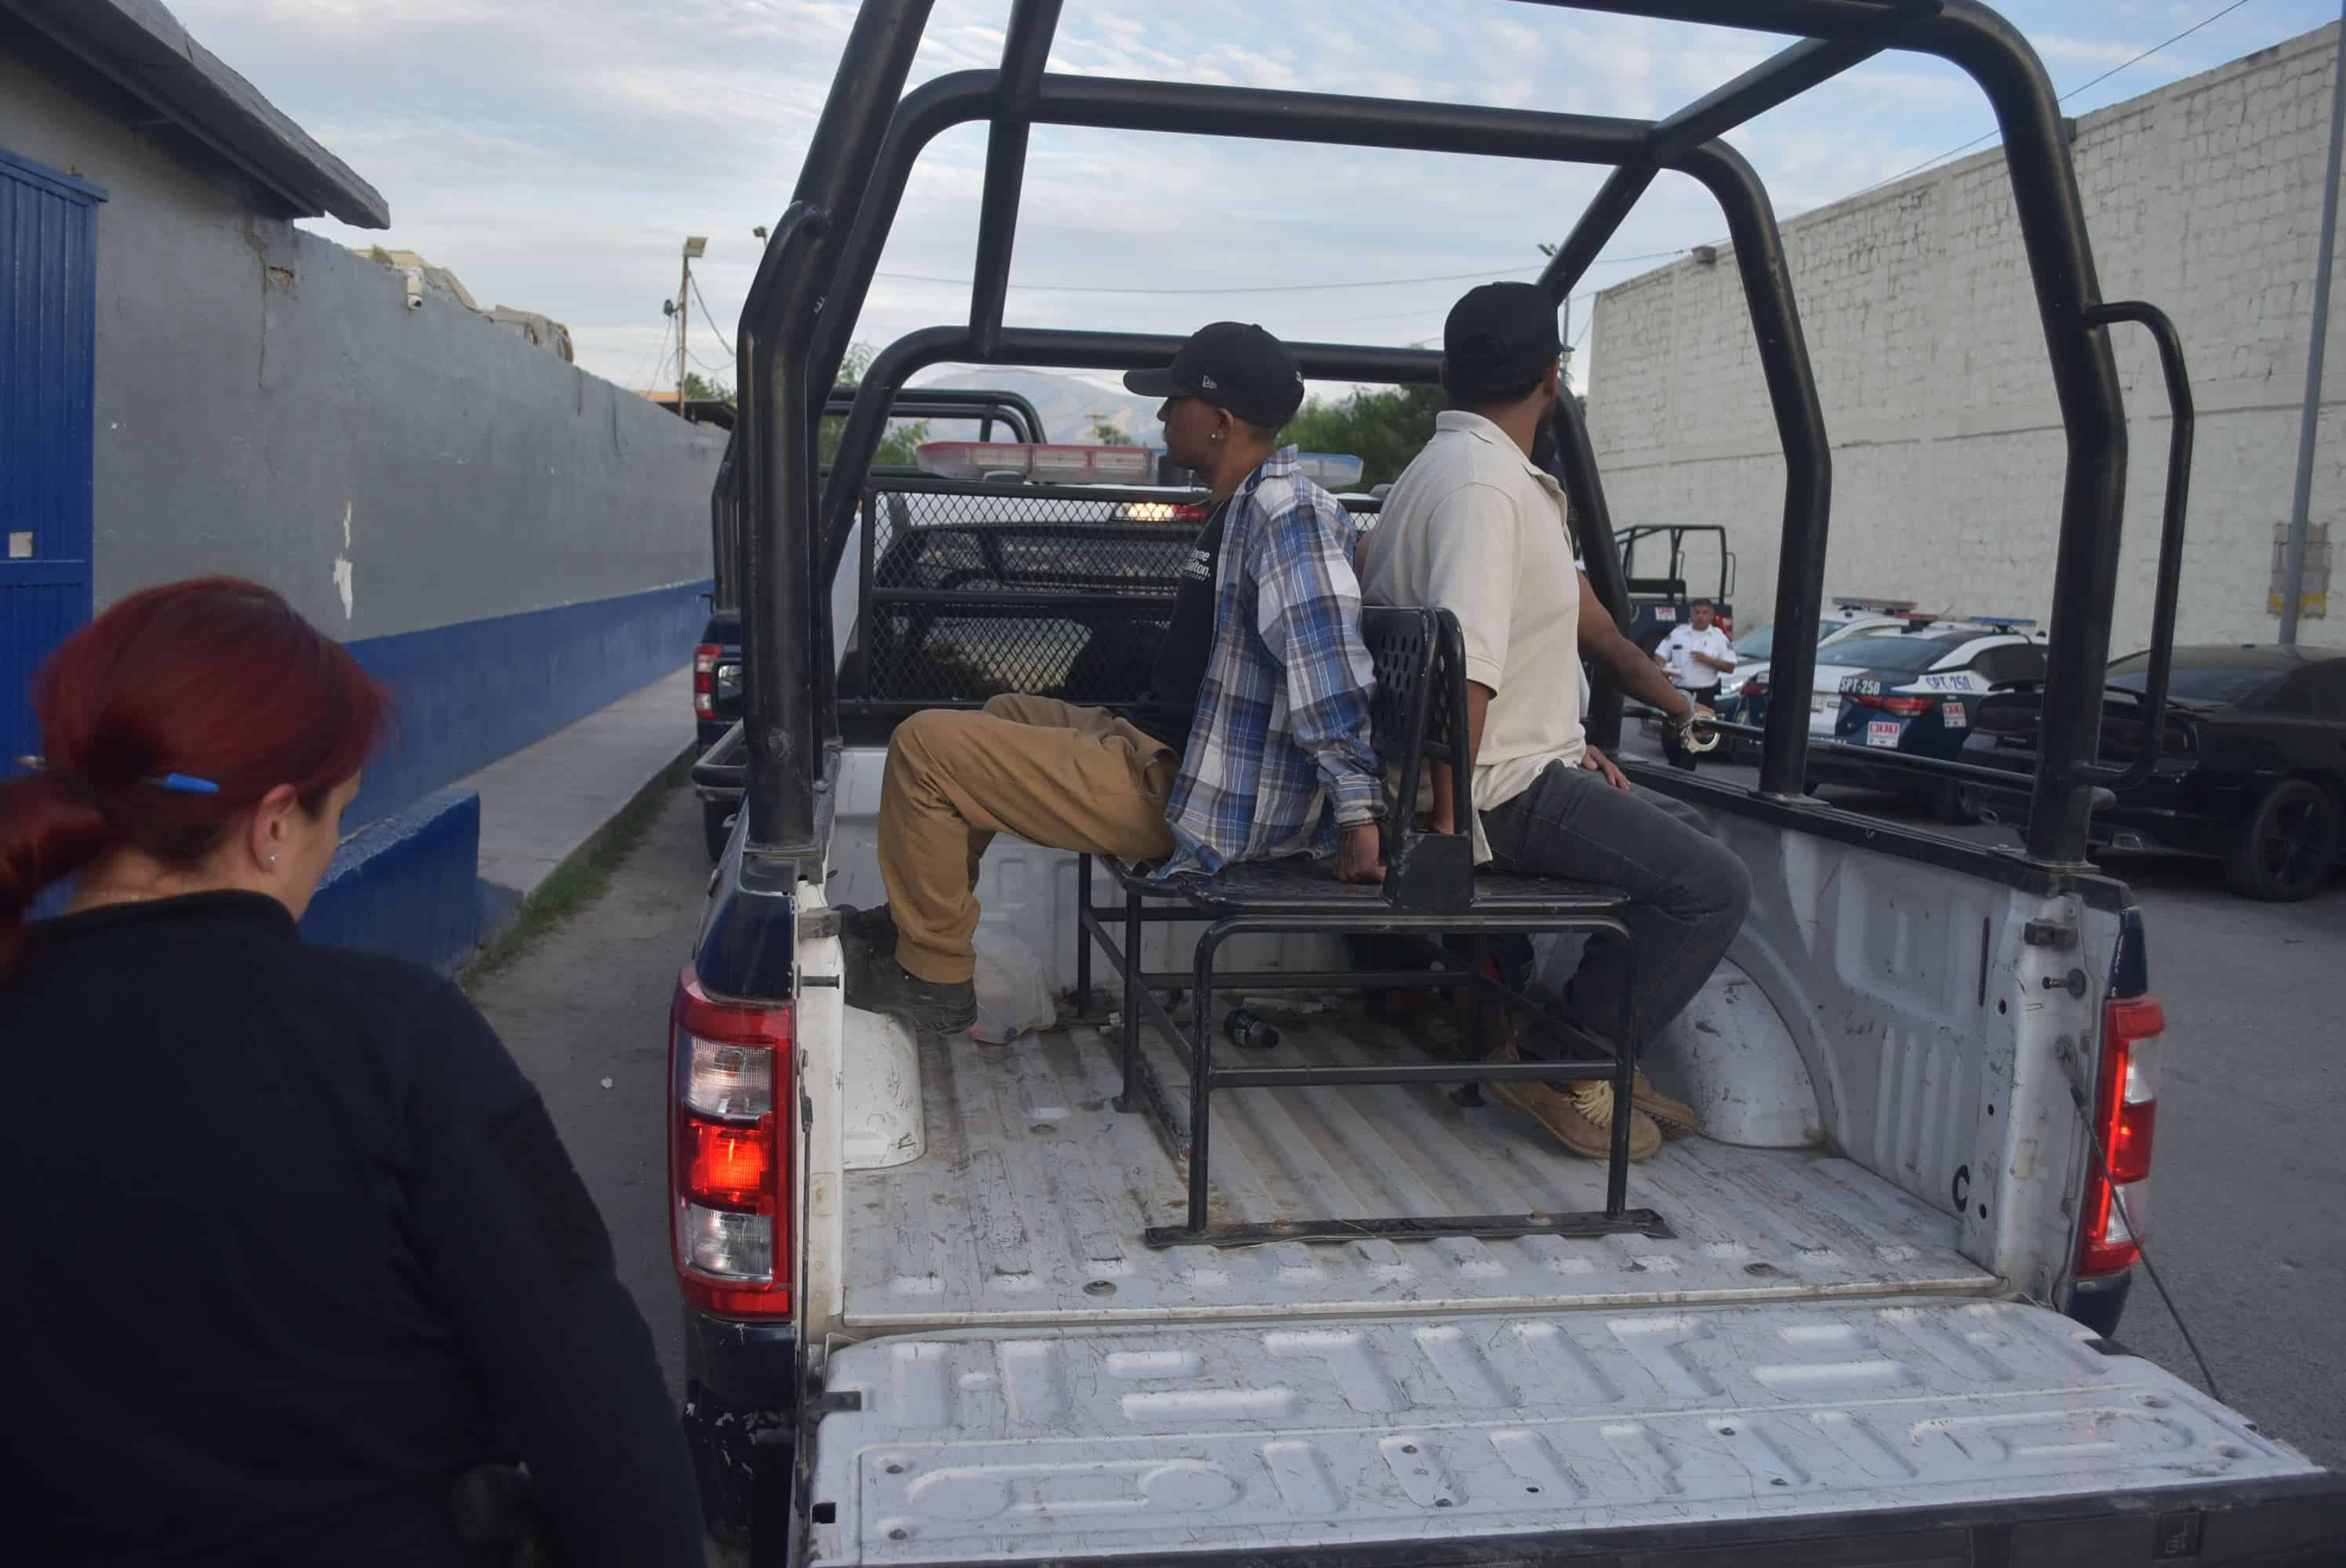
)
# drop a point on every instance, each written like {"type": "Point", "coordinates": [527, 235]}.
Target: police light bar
{"type": "Point", "coordinates": [1042, 464]}
{"type": "Point", "coordinates": [2009, 623]}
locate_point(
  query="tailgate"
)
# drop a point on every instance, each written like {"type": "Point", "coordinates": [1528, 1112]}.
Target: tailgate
{"type": "Point", "coordinates": [1881, 1434]}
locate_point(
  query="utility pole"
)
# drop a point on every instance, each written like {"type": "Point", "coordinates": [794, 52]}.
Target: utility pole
{"type": "Point", "coordinates": [695, 245]}
{"type": "Point", "coordinates": [2292, 575]}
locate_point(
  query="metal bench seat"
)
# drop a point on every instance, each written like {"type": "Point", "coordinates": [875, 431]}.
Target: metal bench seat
{"type": "Point", "coordinates": [1430, 891]}
{"type": "Point", "coordinates": [1300, 886]}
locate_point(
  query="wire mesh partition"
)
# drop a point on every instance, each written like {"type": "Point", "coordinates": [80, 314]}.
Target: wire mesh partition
{"type": "Point", "coordinates": [970, 591]}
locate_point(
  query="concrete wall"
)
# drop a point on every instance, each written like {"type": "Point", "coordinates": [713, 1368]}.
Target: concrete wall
{"type": "Point", "coordinates": [2203, 197]}
{"type": "Point", "coordinates": [509, 542]}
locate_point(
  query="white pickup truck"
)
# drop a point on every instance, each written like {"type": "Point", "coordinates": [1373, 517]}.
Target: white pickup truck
{"type": "Point", "coordinates": [925, 1325]}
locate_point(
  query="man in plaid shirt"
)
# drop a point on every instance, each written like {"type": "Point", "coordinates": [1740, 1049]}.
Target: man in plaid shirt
{"type": "Point", "coordinates": [1258, 738]}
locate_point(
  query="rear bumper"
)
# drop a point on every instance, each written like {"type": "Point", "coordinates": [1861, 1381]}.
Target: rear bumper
{"type": "Point", "coordinates": [2098, 1304]}
{"type": "Point", "coordinates": [740, 1416]}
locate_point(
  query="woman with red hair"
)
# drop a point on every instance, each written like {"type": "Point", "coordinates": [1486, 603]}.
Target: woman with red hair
{"type": "Point", "coordinates": [298, 1258]}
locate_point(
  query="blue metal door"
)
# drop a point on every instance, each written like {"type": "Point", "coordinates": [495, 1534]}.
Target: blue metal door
{"type": "Point", "coordinates": [48, 360]}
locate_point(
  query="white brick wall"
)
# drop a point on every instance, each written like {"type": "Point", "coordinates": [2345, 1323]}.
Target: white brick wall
{"type": "Point", "coordinates": [2203, 197]}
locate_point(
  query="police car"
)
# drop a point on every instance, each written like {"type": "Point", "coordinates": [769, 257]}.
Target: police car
{"type": "Point", "coordinates": [1915, 694]}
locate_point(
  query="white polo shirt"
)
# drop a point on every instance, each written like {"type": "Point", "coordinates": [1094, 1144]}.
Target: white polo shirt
{"type": "Point", "coordinates": [1678, 648]}
{"type": "Point", "coordinates": [1473, 525]}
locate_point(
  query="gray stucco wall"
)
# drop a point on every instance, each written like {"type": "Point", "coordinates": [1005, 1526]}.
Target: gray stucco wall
{"type": "Point", "coordinates": [269, 406]}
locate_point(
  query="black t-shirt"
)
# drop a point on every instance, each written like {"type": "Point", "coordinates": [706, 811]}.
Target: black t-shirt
{"type": "Point", "coordinates": [295, 1242]}
{"type": "Point", "coordinates": [1180, 667]}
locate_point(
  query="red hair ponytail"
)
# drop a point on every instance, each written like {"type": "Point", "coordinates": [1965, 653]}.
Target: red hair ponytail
{"type": "Point", "coordinates": [213, 679]}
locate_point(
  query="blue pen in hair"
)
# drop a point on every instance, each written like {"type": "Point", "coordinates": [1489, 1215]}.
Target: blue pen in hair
{"type": "Point", "coordinates": [184, 784]}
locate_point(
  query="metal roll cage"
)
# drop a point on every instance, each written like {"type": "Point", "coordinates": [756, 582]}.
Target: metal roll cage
{"type": "Point", "coordinates": [818, 264]}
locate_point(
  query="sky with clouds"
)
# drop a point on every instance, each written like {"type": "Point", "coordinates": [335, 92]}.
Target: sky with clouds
{"type": "Point", "coordinates": [553, 153]}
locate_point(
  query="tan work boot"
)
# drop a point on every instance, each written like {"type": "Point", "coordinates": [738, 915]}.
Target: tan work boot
{"type": "Point", "coordinates": [1676, 1117]}
{"type": "Point", "coordinates": [1579, 1114]}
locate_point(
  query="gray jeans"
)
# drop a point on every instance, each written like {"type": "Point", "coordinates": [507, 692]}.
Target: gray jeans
{"type": "Point", "coordinates": [1688, 892]}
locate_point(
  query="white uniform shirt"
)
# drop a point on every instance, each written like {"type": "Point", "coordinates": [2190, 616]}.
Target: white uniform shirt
{"type": "Point", "coordinates": [1678, 648]}
{"type": "Point", "coordinates": [1473, 527]}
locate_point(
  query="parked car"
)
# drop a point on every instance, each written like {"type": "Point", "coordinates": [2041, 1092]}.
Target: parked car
{"type": "Point", "coordinates": [2251, 766]}
{"type": "Point", "coordinates": [1912, 694]}
{"type": "Point", "coordinates": [1849, 617]}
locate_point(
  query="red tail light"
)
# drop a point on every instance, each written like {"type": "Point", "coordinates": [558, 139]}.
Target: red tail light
{"type": "Point", "coordinates": [731, 1084]}
{"type": "Point", "coordinates": [703, 680]}
{"type": "Point", "coordinates": [1892, 702]}
{"type": "Point", "coordinates": [1755, 686]}
{"type": "Point", "coordinates": [2126, 1114]}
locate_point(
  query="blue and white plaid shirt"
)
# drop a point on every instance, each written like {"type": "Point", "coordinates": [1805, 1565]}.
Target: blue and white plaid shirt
{"type": "Point", "coordinates": [1283, 718]}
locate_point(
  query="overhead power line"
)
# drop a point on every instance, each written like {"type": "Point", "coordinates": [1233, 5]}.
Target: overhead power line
{"type": "Point", "coordinates": [2083, 86]}
{"type": "Point", "coordinates": [710, 317]}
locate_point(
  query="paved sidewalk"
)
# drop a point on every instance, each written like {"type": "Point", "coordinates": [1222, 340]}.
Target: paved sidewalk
{"type": "Point", "coordinates": [543, 804]}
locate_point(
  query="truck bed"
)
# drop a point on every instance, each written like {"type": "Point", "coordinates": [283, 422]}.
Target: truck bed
{"type": "Point", "coordinates": [1029, 1203]}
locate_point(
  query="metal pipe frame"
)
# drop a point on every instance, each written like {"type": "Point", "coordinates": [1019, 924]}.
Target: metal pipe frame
{"type": "Point", "coordinates": [859, 158]}
{"type": "Point", "coordinates": [1140, 992]}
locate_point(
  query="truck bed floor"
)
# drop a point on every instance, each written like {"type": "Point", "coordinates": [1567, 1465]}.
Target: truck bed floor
{"type": "Point", "coordinates": [1029, 1204]}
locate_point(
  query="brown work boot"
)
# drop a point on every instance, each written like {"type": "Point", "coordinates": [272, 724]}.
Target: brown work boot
{"type": "Point", "coordinates": [1579, 1114]}
{"type": "Point", "coordinates": [1676, 1117]}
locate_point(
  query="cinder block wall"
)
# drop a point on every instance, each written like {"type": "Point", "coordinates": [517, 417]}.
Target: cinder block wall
{"type": "Point", "coordinates": [2203, 197]}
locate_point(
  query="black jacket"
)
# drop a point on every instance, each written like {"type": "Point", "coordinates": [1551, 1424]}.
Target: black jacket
{"type": "Point", "coordinates": [292, 1243]}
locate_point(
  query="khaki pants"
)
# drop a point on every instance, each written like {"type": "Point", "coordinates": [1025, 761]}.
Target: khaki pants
{"type": "Point", "coordinates": [1062, 777]}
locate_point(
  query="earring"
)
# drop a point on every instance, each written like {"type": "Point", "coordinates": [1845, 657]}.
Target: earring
{"type": "Point", "coordinates": [273, 860]}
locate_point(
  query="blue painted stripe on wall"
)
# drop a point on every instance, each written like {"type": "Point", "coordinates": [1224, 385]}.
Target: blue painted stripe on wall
{"type": "Point", "coordinates": [404, 884]}
{"type": "Point", "coordinates": [470, 693]}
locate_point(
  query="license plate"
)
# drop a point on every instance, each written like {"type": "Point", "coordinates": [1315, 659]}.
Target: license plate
{"type": "Point", "coordinates": [1952, 715]}
{"type": "Point", "coordinates": [1883, 732]}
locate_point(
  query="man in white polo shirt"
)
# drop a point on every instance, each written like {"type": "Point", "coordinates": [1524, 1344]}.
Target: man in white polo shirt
{"type": "Point", "coordinates": [1474, 526]}
{"type": "Point", "coordinates": [1696, 654]}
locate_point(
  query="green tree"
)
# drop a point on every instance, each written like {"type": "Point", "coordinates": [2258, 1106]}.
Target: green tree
{"type": "Point", "coordinates": [700, 389]}
{"type": "Point", "coordinates": [900, 446]}
{"type": "Point", "coordinates": [1108, 434]}
{"type": "Point", "coordinates": [1383, 428]}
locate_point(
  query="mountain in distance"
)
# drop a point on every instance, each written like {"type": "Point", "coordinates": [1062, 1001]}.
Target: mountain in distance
{"type": "Point", "coordinates": [1069, 405]}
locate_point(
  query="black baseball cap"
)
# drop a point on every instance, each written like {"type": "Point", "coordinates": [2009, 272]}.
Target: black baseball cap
{"type": "Point", "coordinates": [1500, 337]}
{"type": "Point", "coordinates": [1232, 366]}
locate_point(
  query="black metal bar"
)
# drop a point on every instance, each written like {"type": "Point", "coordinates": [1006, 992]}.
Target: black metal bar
{"type": "Point", "coordinates": [1011, 408]}
{"type": "Point", "coordinates": [1116, 103]}
{"type": "Point", "coordinates": [983, 598]}
{"type": "Point", "coordinates": [1624, 1080]}
{"type": "Point", "coordinates": [1083, 935]}
{"type": "Point", "coordinates": [1134, 994]}
{"type": "Point", "coordinates": [1253, 981]}
{"type": "Point", "coordinates": [2170, 534]}
{"type": "Point", "coordinates": [1554, 1069]}
{"type": "Point", "coordinates": [787, 711]}
{"type": "Point", "coordinates": [1775, 80]}
{"type": "Point", "coordinates": [779, 718]}
{"type": "Point", "coordinates": [2046, 200]}
{"type": "Point", "coordinates": [1602, 219]}
{"type": "Point", "coordinates": [1801, 427]}
{"type": "Point", "coordinates": [1202, 1069]}
{"type": "Point", "coordinates": [1583, 489]}
{"type": "Point", "coordinates": [1025, 50]}
{"type": "Point", "coordinates": [1059, 350]}
{"type": "Point", "coordinates": [1404, 1227]}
